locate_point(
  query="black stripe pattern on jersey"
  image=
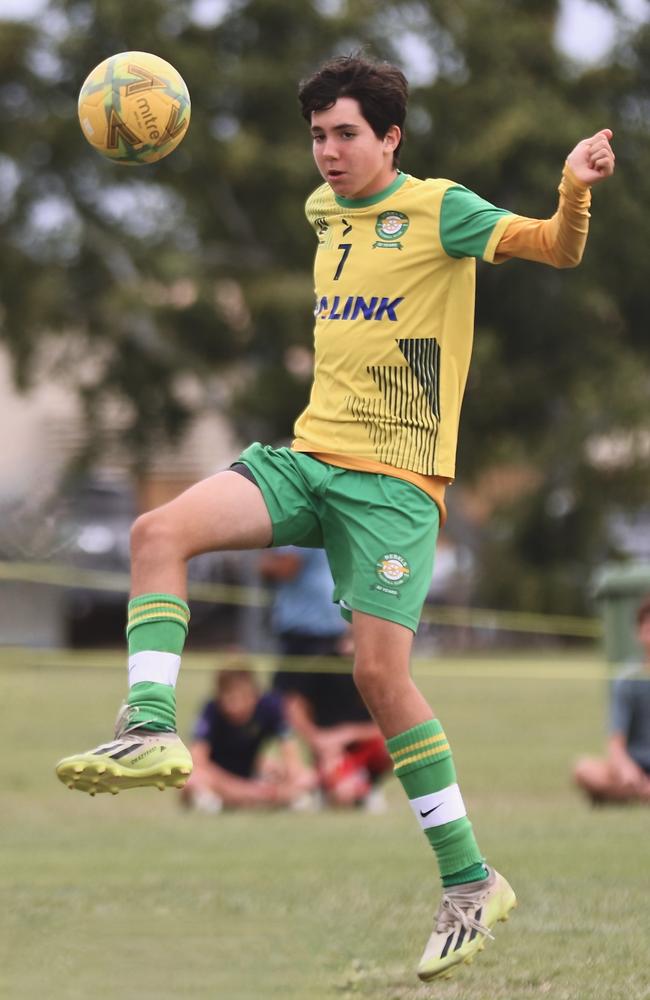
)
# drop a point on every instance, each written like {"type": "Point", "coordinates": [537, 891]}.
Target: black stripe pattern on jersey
{"type": "Point", "coordinates": [403, 424]}
{"type": "Point", "coordinates": [423, 357]}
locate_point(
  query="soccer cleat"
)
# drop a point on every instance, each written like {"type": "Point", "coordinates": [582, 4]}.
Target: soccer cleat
{"type": "Point", "coordinates": [136, 757]}
{"type": "Point", "coordinates": [465, 917]}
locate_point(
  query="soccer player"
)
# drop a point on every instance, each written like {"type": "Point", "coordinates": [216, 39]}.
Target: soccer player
{"type": "Point", "coordinates": [365, 477]}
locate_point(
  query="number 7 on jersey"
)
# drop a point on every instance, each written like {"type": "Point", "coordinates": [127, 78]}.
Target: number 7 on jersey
{"type": "Point", "coordinates": [345, 247]}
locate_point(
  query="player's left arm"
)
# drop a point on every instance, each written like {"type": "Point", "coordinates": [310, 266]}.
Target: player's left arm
{"type": "Point", "coordinates": [560, 240]}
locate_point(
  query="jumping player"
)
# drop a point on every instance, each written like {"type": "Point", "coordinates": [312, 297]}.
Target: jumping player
{"type": "Point", "coordinates": [366, 475]}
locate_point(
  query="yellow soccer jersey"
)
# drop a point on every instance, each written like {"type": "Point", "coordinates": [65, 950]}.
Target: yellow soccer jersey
{"type": "Point", "coordinates": [395, 285]}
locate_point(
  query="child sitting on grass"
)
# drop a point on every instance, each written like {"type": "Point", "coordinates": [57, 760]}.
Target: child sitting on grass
{"type": "Point", "coordinates": [229, 736]}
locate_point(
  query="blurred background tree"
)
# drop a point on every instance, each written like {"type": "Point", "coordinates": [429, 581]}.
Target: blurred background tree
{"type": "Point", "coordinates": [144, 283]}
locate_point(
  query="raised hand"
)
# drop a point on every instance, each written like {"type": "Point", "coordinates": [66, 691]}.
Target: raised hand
{"type": "Point", "coordinates": [593, 159]}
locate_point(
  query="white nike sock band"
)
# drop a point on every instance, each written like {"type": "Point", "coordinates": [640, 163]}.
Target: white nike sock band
{"type": "Point", "coordinates": [439, 807]}
{"type": "Point", "coordinates": [150, 665]}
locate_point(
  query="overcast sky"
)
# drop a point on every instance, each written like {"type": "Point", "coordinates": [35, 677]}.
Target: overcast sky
{"type": "Point", "coordinates": [585, 28]}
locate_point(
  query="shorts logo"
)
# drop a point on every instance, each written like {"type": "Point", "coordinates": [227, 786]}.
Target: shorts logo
{"type": "Point", "coordinates": [393, 569]}
{"type": "Point", "coordinates": [389, 227]}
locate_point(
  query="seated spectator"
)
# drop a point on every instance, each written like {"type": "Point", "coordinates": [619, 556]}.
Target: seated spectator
{"type": "Point", "coordinates": [623, 775]}
{"type": "Point", "coordinates": [323, 707]}
{"type": "Point", "coordinates": [231, 732]}
{"type": "Point", "coordinates": [348, 750]}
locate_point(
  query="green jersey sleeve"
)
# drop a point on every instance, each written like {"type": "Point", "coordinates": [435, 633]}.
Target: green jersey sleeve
{"type": "Point", "coordinates": [468, 223]}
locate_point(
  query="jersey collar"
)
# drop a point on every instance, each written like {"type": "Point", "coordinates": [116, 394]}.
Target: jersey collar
{"type": "Point", "coordinates": [373, 198]}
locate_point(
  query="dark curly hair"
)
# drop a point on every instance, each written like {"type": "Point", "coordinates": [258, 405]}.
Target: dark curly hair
{"type": "Point", "coordinates": [380, 88]}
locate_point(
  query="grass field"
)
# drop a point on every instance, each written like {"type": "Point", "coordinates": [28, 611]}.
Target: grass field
{"type": "Point", "coordinates": [129, 897]}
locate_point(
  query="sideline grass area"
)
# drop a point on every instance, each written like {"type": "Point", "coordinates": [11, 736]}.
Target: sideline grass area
{"type": "Point", "coordinates": [129, 898]}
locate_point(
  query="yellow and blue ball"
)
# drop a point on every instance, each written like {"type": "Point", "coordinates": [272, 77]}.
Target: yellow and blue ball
{"type": "Point", "coordinates": [134, 108]}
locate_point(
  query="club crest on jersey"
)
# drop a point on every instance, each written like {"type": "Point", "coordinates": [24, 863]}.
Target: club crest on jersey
{"type": "Point", "coordinates": [393, 569]}
{"type": "Point", "coordinates": [390, 226]}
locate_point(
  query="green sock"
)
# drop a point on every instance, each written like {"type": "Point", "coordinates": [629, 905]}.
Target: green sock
{"type": "Point", "coordinates": [473, 873]}
{"type": "Point", "coordinates": [157, 623]}
{"type": "Point", "coordinates": [153, 706]}
{"type": "Point", "coordinates": [424, 765]}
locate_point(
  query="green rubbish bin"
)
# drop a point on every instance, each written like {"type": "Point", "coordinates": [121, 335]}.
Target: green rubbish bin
{"type": "Point", "coordinates": [619, 589]}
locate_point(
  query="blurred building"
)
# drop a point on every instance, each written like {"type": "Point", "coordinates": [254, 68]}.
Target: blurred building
{"type": "Point", "coordinates": [44, 518]}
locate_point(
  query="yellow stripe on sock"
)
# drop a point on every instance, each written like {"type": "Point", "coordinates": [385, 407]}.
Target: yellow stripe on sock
{"type": "Point", "coordinates": [177, 615]}
{"type": "Point", "coordinates": [157, 612]}
{"type": "Point", "coordinates": [429, 741]}
{"type": "Point", "coordinates": [158, 605]}
{"type": "Point", "coordinates": [432, 755]}
{"type": "Point", "coordinates": [160, 616]}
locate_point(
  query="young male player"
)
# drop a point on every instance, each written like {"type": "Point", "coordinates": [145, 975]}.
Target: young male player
{"type": "Point", "coordinates": [365, 477]}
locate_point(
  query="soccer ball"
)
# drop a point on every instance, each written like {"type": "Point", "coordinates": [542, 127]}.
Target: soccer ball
{"type": "Point", "coordinates": [134, 108]}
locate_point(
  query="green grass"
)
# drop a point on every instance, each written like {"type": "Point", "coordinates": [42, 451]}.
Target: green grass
{"type": "Point", "coordinates": [130, 897]}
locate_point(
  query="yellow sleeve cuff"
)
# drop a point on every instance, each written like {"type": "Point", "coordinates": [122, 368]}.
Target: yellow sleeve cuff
{"type": "Point", "coordinates": [490, 252]}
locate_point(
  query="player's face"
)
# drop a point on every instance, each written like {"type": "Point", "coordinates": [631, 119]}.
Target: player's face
{"type": "Point", "coordinates": [348, 154]}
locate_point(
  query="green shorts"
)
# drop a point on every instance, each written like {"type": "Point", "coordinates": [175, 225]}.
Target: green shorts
{"type": "Point", "coordinates": [379, 532]}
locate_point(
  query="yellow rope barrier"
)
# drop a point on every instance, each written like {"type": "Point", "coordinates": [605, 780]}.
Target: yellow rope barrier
{"type": "Point", "coordinates": [58, 575]}
{"type": "Point", "coordinates": [571, 667]}
{"type": "Point", "coordinates": [52, 574]}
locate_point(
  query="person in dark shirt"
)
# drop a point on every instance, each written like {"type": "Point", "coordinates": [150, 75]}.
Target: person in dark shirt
{"type": "Point", "coordinates": [349, 753]}
{"type": "Point", "coordinates": [323, 707]}
{"type": "Point", "coordinates": [623, 775]}
{"type": "Point", "coordinates": [230, 734]}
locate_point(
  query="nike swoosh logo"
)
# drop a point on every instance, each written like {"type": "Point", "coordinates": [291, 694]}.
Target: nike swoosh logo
{"type": "Point", "coordinates": [429, 811]}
